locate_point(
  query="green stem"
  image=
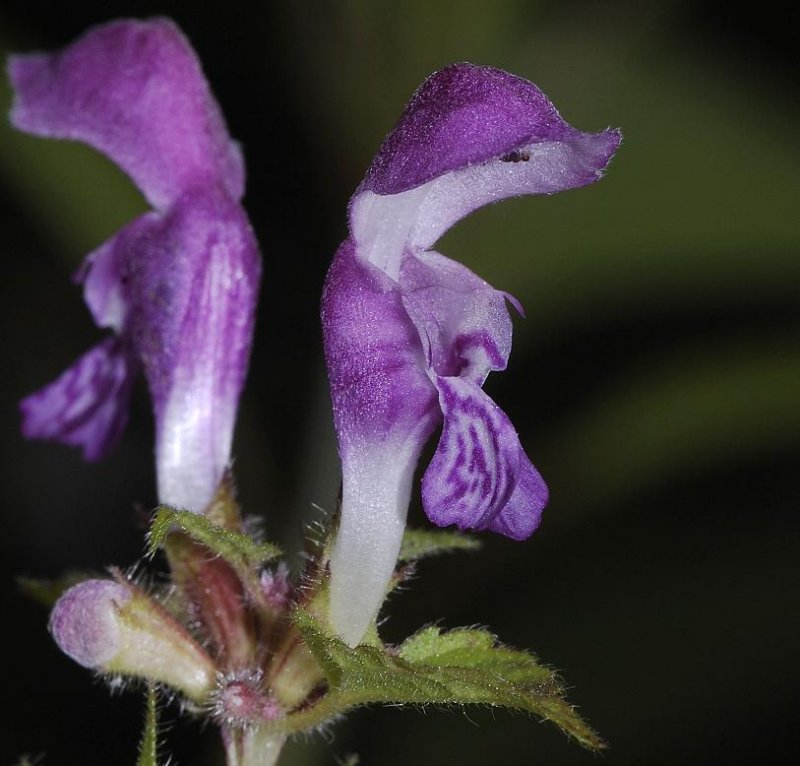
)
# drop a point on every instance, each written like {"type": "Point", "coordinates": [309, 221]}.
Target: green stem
{"type": "Point", "coordinates": [261, 749]}
{"type": "Point", "coordinates": [254, 747]}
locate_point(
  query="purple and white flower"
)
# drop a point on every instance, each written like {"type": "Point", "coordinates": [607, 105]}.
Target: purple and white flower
{"type": "Point", "coordinates": [177, 286]}
{"type": "Point", "coordinates": [410, 335]}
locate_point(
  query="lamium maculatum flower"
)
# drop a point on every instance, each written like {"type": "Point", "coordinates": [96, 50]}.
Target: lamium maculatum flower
{"type": "Point", "coordinates": [178, 285]}
{"type": "Point", "coordinates": [410, 335]}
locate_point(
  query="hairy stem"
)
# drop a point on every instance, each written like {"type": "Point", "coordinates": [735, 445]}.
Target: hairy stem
{"type": "Point", "coordinates": [253, 747]}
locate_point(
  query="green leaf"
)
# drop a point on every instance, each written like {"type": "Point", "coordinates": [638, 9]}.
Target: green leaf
{"type": "Point", "coordinates": [464, 666]}
{"type": "Point", "coordinates": [473, 648]}
{"type": "Point", "coordinates": [148, 745]}
{"type": "Point", "coordinates": [241, 551]}
{"type": "Point", "coordinates": [421, 543]}
{"type": "Point", "coordinates": [47, 592]}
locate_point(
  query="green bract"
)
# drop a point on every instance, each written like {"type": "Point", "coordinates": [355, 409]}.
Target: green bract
{"type": "Point", "coordinates": [458, 667]}
{"type": "Point", "coordinates": [241, 551]}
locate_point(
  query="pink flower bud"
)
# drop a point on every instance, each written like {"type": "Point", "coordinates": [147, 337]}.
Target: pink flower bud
{"type": "Point", "coordinates": [85, 622]}
{"type": "Point", "coordinates": [114, 627]}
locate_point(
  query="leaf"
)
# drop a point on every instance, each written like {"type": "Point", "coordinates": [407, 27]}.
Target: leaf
{"type": "Point", "coordinates": [47, 592]}
{"type": "Point", "coordinates": [473, 648]}
{"type": "Point", "coordinates": [148, 745]}
{"type": "Point", "coordinates": [241, 551]}
{"type": "Point", "coordinates": [463, 666]}
{"type": "Point", "coordinates": [422, 543]}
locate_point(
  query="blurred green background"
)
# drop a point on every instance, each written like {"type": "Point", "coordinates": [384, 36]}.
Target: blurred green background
{"type": "Point", "coordinates": [654, 381]}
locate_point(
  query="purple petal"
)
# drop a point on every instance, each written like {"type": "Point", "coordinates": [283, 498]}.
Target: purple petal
{"type": "Point", "coordinates": [87, 406]}
{"type": "Point", "coordinates": [477, 466]}
{"type": "Point", "coordinates": [521, 515]}
{"type": "Point", "coordinates": [470, 136]}
{"type": "Point", "coordinates": [192, 282]}
{"type": "Point", "coordinates": [462, 321]}
{"type": "Point", "coordinates": [375, 359]}
{"type": "Point", "coordinates": [135, 91]}
{"type": "Point", "coordinates": [104, 274]}
{"type": "Point", "coordinates": [467, 115]}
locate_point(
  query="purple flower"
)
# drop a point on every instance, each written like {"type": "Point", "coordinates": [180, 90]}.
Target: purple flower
{"type": "Point", "coordinates": [178, 285]}
{"type": "Point", "coordinates": [410, 336]}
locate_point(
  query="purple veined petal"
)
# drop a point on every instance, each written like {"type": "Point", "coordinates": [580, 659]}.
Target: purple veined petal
{"type": "Point", "coordinates": [463, 322]}
{"type": "Point", "coordinates": [470, 136]}
{"type": "Point", "coordinates": [192, 284]}
{"type": "Point", "coordinates": [521, 515]}
{"type": "Point", "coordinates": [87, 406]}
{"type": "Point", "coordinates": [135, 91]}
{"type": "Point", "coordinates": [477, 465]}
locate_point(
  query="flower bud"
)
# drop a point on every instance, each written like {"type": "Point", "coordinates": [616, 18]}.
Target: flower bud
{"type": "Point", "coordinates": [114, 627]}
{"type": "Point", "coordinates": [85, 622]}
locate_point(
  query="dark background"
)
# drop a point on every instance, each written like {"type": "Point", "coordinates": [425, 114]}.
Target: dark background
{"type": "Point", "coordinates": [654, 381]}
